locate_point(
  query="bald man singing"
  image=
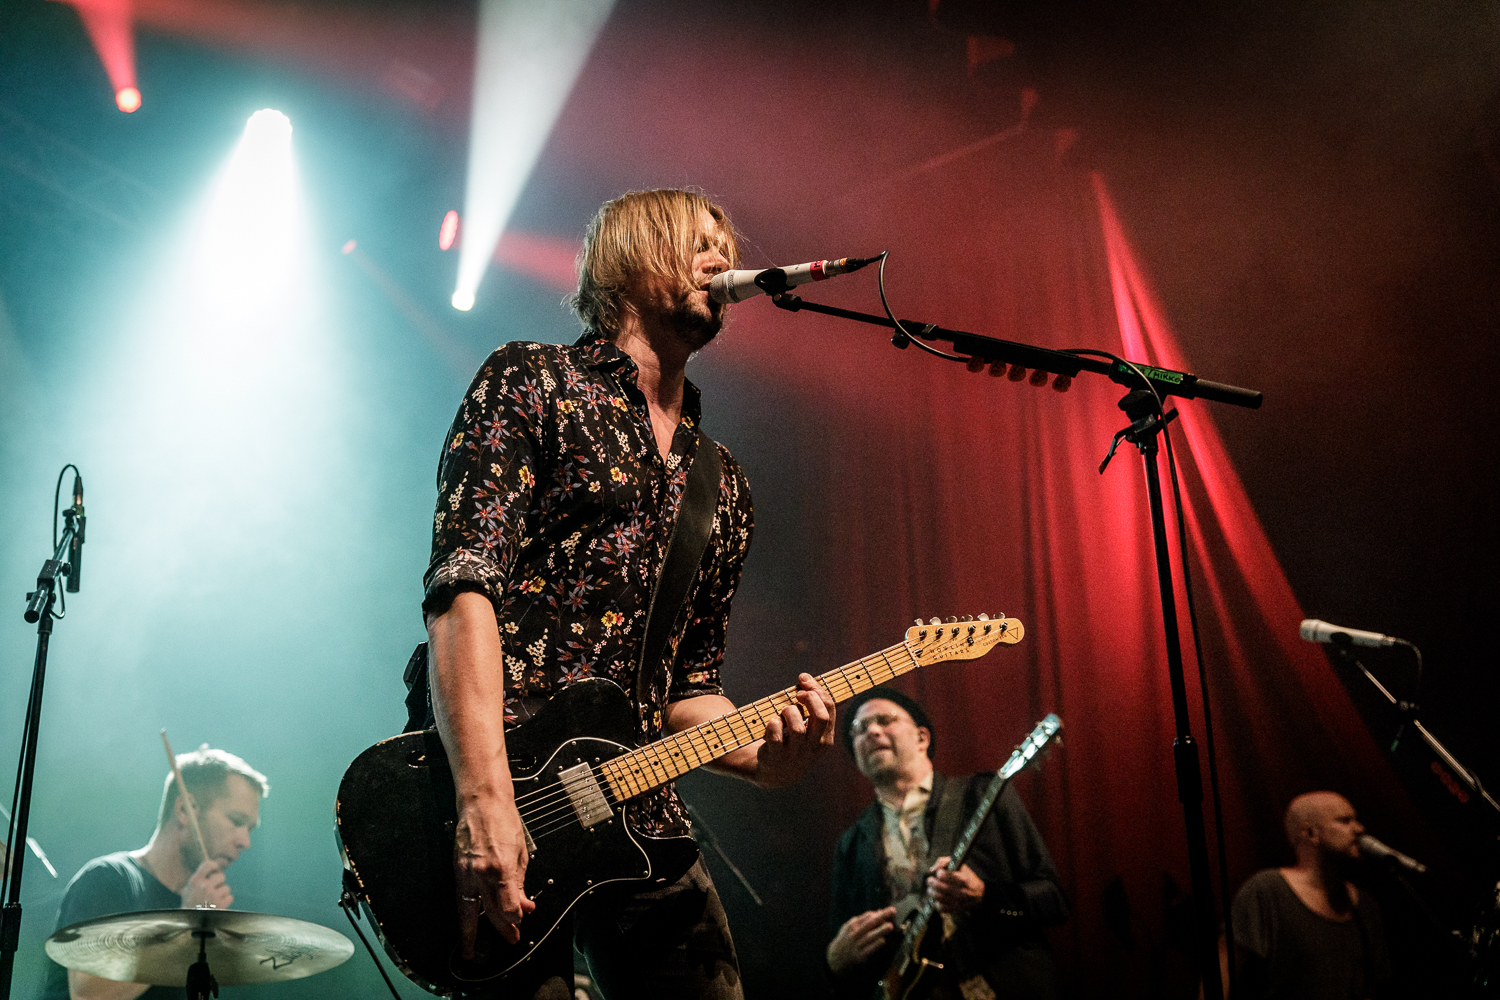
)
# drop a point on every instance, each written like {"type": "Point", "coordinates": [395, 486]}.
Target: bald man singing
{"type": "Point", "coordinates": [1307, 931]}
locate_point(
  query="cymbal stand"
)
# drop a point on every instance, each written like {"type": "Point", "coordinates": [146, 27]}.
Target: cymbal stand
{"type": "Point", "coordinates": [200, 982]}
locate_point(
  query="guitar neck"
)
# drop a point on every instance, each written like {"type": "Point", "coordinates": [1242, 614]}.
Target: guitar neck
{"type": "Point", "coordinates": [654, 765]}
{"type": "Point", "coordinates": [1023, 755]}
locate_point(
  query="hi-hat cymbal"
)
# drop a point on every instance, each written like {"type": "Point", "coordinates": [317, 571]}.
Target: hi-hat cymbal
{"type": "Point", "coordinates": [157, 946]}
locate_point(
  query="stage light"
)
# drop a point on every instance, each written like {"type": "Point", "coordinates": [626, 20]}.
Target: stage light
{"type": "Point", "coordinates": [252, 223]}
{"type": "Point", "coordinates": [448, 231]}
{"type": "Point", "coordinates": [110, 26]}
{"type": "Point", "coordinates": [527, 57]}
{"type": "Point", "coordinates": [463, 300]}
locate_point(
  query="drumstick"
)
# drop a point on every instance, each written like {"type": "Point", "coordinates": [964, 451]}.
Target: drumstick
{"type": "Point", "coordinates": [187, 800]}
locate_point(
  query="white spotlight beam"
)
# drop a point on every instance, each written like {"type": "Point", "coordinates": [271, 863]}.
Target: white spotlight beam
{"type": "Point", "coordinates": [528, 57]}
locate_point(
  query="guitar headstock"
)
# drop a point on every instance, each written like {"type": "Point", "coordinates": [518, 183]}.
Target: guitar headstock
{"type": "Point", "coordinates": [1036, 744]}
{"type": "Point", "coordinates": [961, 640]}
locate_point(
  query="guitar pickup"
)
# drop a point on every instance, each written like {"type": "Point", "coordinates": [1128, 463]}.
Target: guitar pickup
{"type": "Point", "coordinates": [585, 795]}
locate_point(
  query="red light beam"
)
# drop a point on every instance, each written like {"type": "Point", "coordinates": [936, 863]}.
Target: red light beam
{"type": "Point", "coordinates": [110, 25]}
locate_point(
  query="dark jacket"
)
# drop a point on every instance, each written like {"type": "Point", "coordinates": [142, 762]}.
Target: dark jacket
{"type": "Point", "coordinates": [1003, 936]}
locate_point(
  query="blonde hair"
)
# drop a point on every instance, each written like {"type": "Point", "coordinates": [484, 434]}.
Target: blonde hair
{"type": "Point", "coordinates": [640, 234]}
{"type": "Point", "coordinates": [206, 772]}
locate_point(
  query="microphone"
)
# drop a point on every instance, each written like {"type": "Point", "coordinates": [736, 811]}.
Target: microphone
{"type": "Point", "coordinates": [737, 286]}
{"type": "Point", "coordinates": [1368, 845]}
{"type": "Point", "coordinates": [1318, 631]}
{"type": "Point", "coordinates": [75, 550]}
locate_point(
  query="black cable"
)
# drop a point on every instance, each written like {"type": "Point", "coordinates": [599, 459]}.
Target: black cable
{"type": "Point", "coordinates": [62, 595]}
{"type": "Point", "coordinates": [901, 329]}
{"type": "Point", "coordinates": [347, 904]}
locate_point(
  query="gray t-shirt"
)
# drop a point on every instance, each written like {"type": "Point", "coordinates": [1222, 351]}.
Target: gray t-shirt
{"type": "Point", "coordinates": [115, 883]}
{"type": "Point", "coordinates": [1289, 952]}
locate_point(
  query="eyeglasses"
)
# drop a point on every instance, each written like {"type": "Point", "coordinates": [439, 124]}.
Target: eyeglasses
{"type": "Point", "coordinates": [884, 721]}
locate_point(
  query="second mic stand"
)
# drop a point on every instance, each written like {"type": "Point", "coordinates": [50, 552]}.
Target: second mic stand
{"type": "Point", "coordinates": [1407, 711]}
{"type": "Point", "coordinates": [1483, 945]}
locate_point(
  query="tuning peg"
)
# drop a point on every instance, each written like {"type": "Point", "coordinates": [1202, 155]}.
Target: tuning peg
{"type": "Point", "coordinates": [952, 620]}
{"type": "Point", "coordinates": [1062, 383]}
{"type": "Point", "coordinates": [983, 617]}
{"type": "Point", "coordinates": [997, 369]}
{"type": "Point", "coordinates": [935, 621]}
{"type": "Point", "coordinates": [1039, 378]}
{"type": "Point", "coordinates": [976, 365]}
{"type": "Point", "coordinates": [918, 622]}
{"type": "Point", "coordinates": [1016, 373]}
{"type": "Point", "coordinates": [968, 618]}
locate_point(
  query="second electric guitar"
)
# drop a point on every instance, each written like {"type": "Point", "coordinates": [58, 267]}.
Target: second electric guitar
{"type": "Point", "coordinates": [901, 979]}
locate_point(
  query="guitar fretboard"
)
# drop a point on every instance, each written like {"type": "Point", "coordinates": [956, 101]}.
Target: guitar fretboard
{"type": "Point", "coordinates": [654, 765]}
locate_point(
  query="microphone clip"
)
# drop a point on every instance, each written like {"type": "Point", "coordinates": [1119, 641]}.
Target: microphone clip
{"type": "Point", "coordinates": [772, 281]}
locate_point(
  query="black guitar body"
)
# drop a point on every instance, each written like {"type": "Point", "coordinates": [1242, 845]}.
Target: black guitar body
{"type": "Point", "coordinates": [396, 816]}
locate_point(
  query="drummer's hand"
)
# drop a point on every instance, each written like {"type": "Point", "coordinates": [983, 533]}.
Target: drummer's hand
{"type": "Point", "coordinates": [489, 866]}
{"type": "Point", "coordinates": [207, 887]}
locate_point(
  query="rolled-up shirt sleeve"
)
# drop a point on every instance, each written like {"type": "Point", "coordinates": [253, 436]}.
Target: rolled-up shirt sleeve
{"type": "Point", "coordinates": [487, 482]}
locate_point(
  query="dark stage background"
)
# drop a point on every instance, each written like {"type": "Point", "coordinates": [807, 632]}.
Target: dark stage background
{"type": "Point", "coordinates": [1300, 200]}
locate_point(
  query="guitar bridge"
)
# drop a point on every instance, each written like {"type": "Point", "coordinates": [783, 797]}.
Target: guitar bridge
{"type": "Point", "coordinates": [585, 795]}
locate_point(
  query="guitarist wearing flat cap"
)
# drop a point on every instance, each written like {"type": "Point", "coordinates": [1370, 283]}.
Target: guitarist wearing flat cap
{"type": "Point", "coordinates": [993, 907]}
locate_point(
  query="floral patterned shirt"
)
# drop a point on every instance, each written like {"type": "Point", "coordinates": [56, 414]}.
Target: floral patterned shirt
{"type": "Point", "coordinates": [555, 503]}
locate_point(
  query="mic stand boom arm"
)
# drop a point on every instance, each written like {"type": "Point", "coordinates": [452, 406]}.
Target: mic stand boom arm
{"type": "Point", "coordinates": [1147, 419]}
{"type": "Point", "coordinates": [992, 349]}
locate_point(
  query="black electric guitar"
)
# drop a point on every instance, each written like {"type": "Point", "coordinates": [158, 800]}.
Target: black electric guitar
{"type": "Point", "coordinates": [575, 766]}
{"type": "Point", "coordinates": [906, 970]}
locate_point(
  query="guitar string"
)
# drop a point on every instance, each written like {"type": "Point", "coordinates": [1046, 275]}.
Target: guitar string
{"type": "Point", "coordinates": [1026, 752]}
{"type": "Point", "coordinates": [734, 722]}
{"type": "Point", "coordinates": [738, 725]}
{"type": "Point", "coordinates": [554, 794]}
{"type": "Point", "coordinates": [554, 799]}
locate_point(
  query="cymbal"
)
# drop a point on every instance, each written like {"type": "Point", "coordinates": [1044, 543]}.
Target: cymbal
{"type": "Point", "coordinates": [157, 946]}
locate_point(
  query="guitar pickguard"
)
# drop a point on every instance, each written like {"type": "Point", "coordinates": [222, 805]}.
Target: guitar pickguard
{"type": "Point", "coordinates": [396, 819]}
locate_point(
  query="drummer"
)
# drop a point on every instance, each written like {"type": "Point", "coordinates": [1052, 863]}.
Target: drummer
{"type": "Point", "coordinates": [170, 871]}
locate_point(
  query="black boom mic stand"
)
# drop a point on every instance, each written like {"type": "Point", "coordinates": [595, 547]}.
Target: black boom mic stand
{"type": "Point", "coordinates": [1143, 405]}
{"type": "Point", "coordinates": [65, 562]}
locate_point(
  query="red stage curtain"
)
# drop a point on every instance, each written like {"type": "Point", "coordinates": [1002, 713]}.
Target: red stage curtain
{"type": "Point", "coordinates": [950, 493]}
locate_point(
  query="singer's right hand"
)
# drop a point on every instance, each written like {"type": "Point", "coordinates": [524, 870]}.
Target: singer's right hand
{"type": "Point", "coordinates": [489, 867]}
{"type": "Point", "coordinates": [207, 887]}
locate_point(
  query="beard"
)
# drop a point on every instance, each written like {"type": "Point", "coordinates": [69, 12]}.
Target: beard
{"type": "Point", "coordinates": [192, 854]}
{"type": "Point", "coordinates": [695, 326]}
{"type": "Point", "coordinates": [879, 772]}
